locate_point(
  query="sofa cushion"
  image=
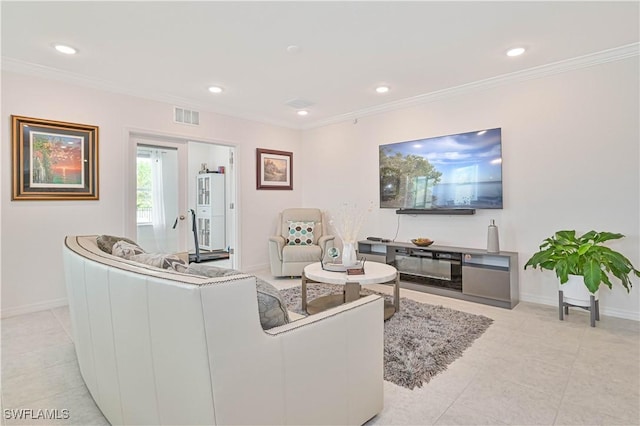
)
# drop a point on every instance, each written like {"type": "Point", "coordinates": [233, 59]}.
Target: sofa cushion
{"type": "Point", "coordinates": [160, 260]}
{"type": "Point", "coordinates": [300, 233]}
{"type": "Point", "coordinates": [125, 249]}
{"type": "Point", "coordinates": [312, 253]}
{"type": "Point", "coordinates": [271, 307]}
{"type": "Point", "coordinates": [106, 242]}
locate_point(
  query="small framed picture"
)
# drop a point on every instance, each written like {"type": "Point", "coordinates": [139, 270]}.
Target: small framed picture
{"type": "Point", "coordinates": [274, 169]}
{"type": "Point", "coordinates": [53, 160]}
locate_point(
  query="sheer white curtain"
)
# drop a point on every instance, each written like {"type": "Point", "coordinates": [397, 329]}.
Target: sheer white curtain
{"type": "Point", "coordinates": [158, 219]}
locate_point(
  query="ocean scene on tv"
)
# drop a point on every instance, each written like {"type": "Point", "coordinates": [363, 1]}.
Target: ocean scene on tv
{"type": "Point", "coordinates": [455, 171]}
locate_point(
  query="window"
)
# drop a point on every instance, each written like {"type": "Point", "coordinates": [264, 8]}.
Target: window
{"type": "Point", "coordinates": [143, 197]}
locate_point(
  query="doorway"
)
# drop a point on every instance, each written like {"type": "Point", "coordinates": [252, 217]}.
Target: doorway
{"type": "Point", "coordinates": [212, 196]}
{"type": "Point", "coordinates": [163, 196]}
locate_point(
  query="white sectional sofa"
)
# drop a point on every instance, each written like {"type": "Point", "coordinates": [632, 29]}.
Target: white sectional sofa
{"type": "Point", "coordinates": [161, 347]}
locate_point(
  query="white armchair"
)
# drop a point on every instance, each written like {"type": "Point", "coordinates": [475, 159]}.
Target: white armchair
{"type": "Point", "coordinates": [289, 259]}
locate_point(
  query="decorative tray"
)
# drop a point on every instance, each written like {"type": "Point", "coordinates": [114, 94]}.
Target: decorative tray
{"type": "Point", "coordinates": [339, 267]}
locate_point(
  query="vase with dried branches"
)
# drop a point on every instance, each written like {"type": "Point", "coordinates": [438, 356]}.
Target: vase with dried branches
{"type": "Point", "coordinates": [347, 223]}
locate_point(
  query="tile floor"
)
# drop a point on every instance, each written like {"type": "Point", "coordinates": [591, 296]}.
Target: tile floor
{"type": "Point", "coordinates": [529, 368]}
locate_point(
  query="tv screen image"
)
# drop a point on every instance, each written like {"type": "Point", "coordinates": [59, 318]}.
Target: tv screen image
{"type": "Point", "coordinates": [445, 172]}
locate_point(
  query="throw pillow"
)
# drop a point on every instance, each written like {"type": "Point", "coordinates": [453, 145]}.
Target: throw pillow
{"type": "Point", "coordinates": [159, 260]}
{"type": "Point", "coordinates": [300, 233]}
{"type": "Point", "coordinates": [106, 242]}
{"type": "Point", "coordinates": [126, 250]}
{"type": "Point", "coordinates": [271, 307]}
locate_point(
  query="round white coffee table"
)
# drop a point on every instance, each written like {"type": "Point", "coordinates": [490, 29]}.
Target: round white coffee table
{"type": "Point", "coordinates": [374, 273]}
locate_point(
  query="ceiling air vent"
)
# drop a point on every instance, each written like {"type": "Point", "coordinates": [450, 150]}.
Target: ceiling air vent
{"type": "Point", "coordinates": [299, 103]}
{"type": "Point", "coordinates": [186, 116]}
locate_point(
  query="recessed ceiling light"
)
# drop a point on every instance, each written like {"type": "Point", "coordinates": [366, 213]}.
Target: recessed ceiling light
{"type": "Point", "coordinates": [67, 50]}
{"type": "Point", "coordinates": [382, 89]}
{"type": "Point", "coordinates": [215, 89]}
{"type": "Point", "coordinates": [293, 49]}
{"type": "Point", "coordinates": [303, 112]}
{"type": "Point", "coordinates": [516, 51]}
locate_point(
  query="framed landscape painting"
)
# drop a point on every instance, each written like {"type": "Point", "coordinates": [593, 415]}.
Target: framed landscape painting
{"type": "Point", "coordinates": [274, 169]}
{"type": "Point", "coordinates": [54, 160]}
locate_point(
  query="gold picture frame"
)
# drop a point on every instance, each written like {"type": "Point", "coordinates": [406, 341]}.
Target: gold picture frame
{"type": "Point", "coordinates": [274, 169]}
{"type": "Point", "coordinates": [53, 160]}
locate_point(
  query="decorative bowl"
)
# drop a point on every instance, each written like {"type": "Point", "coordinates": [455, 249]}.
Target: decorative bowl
{"type": "Point", "coordinates": [422, 242]}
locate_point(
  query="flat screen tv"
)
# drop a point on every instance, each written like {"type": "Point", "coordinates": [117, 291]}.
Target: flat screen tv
{"type": "Point", "coordinates": [461, 171]}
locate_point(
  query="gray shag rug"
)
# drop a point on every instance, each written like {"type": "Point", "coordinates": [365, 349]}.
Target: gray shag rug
{"type": "Point", "coordinates": [420, 341]}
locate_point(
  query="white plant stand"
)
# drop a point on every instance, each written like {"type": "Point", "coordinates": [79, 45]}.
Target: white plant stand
{"type": "Point", "coordinates": [575, 294]}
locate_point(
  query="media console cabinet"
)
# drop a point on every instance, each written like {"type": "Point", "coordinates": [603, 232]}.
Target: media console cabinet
{"type": "Point", "coordinates": [463, 273]}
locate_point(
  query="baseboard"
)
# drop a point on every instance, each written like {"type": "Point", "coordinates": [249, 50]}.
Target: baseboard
{"type": "Point", "coordinates": [612, 312]}
{"type": "Point", "coordinates": [34, 307]}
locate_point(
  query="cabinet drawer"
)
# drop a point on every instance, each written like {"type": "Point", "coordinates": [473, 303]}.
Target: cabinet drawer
{"type": "Point", "coordinates": [380, 258]}
{"type": "Point", "coordinates": [486, 282]}
{"type": "Point", "coordinates": [203, 211]}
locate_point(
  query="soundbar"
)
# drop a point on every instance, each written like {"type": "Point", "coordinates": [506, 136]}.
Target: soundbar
{"type": "Point", "coordinates": [436, 211]}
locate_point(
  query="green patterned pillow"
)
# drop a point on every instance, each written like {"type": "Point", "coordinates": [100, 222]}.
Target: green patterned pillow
{"type": "Point", "coordinates": [300, 233]}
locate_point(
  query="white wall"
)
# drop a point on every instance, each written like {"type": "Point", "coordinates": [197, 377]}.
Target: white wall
{"type": "Point", "coordinates": [570, 161]}
{"type": "Point", "coordinates": [33, 231]}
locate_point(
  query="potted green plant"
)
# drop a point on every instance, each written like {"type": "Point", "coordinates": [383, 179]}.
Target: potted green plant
{"type": "Point", "coordinates": [572, 257]}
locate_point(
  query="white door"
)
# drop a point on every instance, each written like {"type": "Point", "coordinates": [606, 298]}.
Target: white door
{"type": "Point", "coordinates": [161, 221]}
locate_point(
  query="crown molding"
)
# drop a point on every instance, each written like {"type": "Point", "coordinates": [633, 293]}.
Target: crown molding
{"type": "Point", "coordinates": [585, 61]}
